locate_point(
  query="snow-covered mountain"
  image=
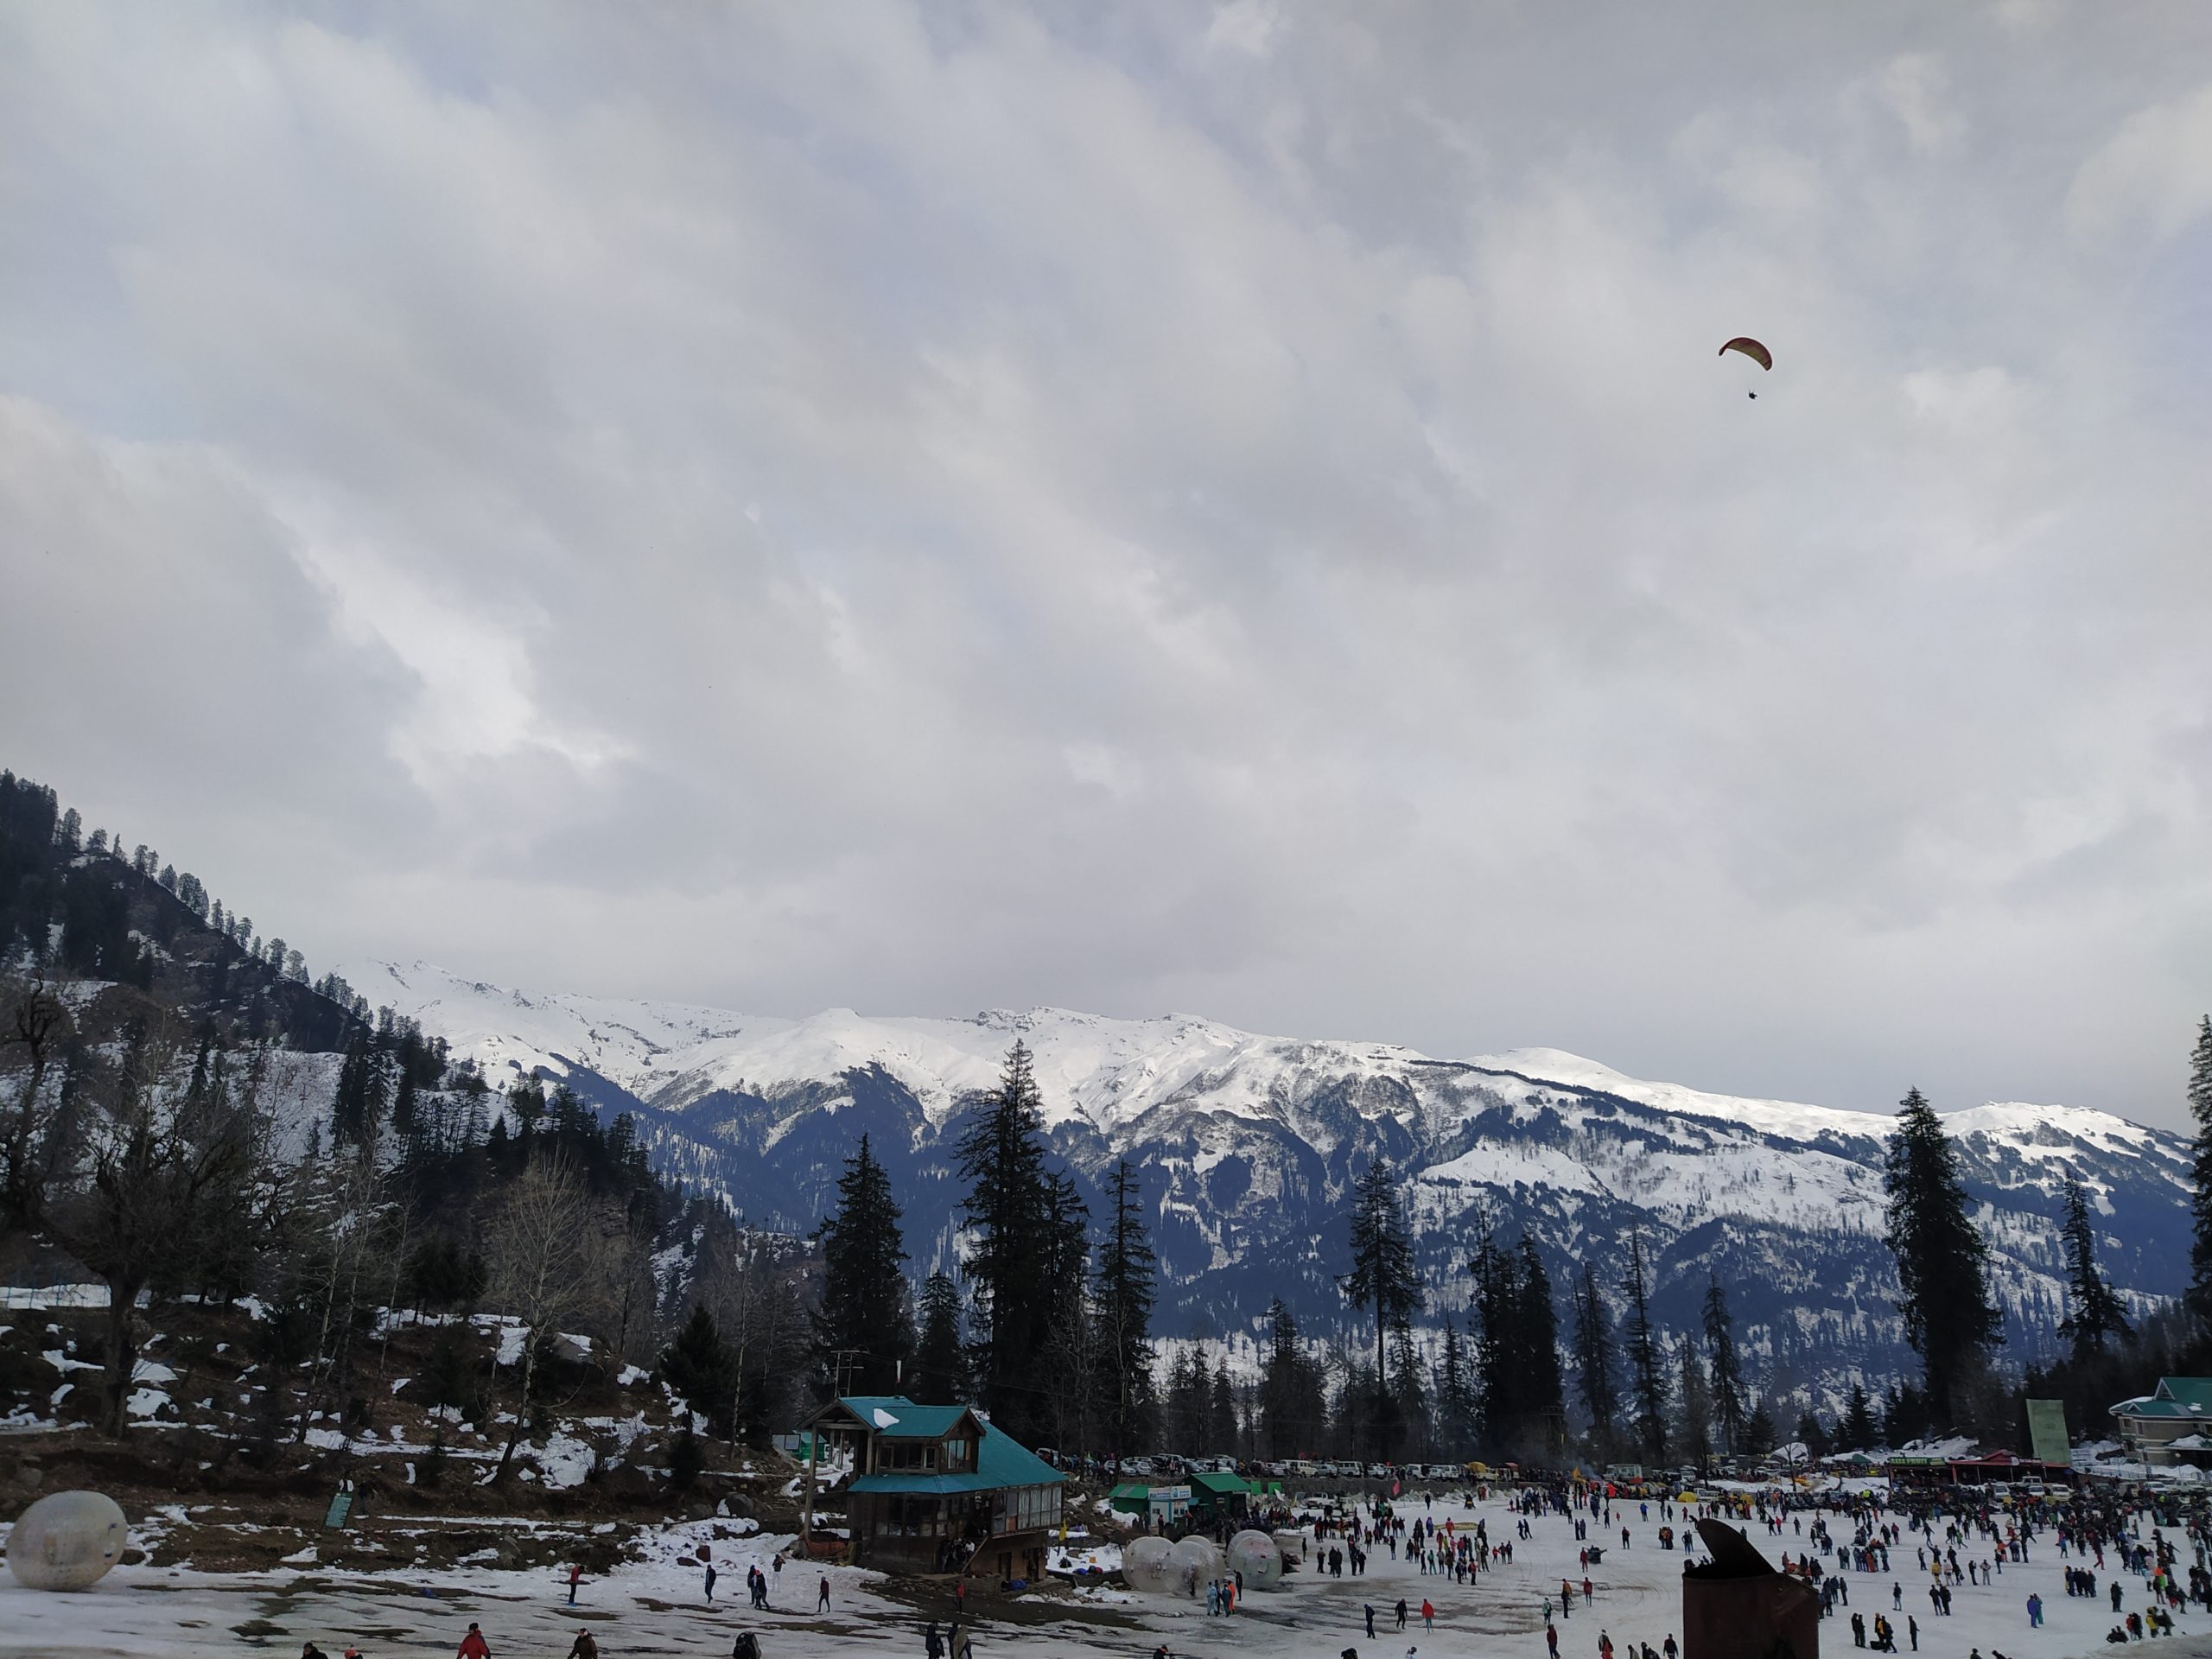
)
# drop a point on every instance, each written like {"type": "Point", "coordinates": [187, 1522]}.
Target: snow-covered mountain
{"type": "Point", "coordinates": [1247, 1143]}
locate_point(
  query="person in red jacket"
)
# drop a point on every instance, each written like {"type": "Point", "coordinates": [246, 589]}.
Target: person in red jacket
{"type": "Point", "coordinates": [474, 1646]}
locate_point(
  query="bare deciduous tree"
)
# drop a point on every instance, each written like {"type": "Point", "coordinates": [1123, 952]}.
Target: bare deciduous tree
{"type": "Point", "coordinates": [154, 1156]}
{"type": "Point", "coordinates": [541, 1260]}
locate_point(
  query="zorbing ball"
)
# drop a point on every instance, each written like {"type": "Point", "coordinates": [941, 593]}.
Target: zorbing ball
{"type": "Point", "coordinates": [1196, 1562]}
{"type": "Point", "coordinates": [68, 1540]}
{"type": "Point", "coordinates": [1148, 1565]}
{"type": "Point", "coordinates": [1258, 1559]}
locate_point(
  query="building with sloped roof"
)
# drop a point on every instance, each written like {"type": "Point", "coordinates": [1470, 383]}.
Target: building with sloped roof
{"type": "Point", "coordinates": [935, 1489]}
{"type": "Point", "coordinates": [2170, 1423]}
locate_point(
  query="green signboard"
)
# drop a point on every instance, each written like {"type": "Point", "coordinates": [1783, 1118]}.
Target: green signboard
{"type": "Point", "coordinates": [2047, 1431]}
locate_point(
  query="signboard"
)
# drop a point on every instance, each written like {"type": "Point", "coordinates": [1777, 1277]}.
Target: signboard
{"type": "Point", "coordinates": [1169, 1502]}
{"type": "Point", "coordinates": [2047, 1432]}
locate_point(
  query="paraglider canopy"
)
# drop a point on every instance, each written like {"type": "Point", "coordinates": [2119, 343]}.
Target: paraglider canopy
{"type": "Point", "coordinates": [1750, 348]}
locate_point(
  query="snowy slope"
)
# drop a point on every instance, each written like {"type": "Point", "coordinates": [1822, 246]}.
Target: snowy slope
{"type": "Point", "coordinates": [1246, 1143]}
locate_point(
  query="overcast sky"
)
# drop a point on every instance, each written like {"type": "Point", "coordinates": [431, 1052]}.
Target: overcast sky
{"type": "Point", "coordinates": [1226, 509]}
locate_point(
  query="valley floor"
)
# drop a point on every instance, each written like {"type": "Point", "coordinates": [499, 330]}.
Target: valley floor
{"type": "Point", "coordinates": [656, 1606]}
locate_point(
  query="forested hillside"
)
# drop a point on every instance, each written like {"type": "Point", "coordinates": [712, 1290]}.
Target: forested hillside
{"type": "Point", "coordinates": [189, 1119]}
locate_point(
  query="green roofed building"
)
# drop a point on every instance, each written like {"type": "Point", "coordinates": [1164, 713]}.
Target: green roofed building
{"type": "Point", "coordinates": [935, 1489]}
{"type": "Point", "coordinates": [1214, 1496]}
{"type": "Point", "coordinates": [2171, 1424]}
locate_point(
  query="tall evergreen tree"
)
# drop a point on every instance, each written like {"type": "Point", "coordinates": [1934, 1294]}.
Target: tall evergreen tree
{"type": "Point", "coordinates": [1408, 1391]}
{"type": "Point", "coordinates": [1544, 1388]}
{"type": "Point", "coordinates": [1812, 1434]}
{"type": "Point", "coordinates": [1647, 1375]}
{"type": "Point", "coordinates": [2200, 1204]}
{"type": "Point", "coordinates": [1495, 1318]}
{"type": "Point", "coordinates": [940, 1358]}
{"type": "Point", "coordinates": [1456, 1404]}
{"type": "Point", "coordinates": [1383, 1275]}
{"type": "Point", "coordinates": [1695, 1427]}
{"type": "Point", "coordinates": [1011, 1211]}
{"type": "Point", "coordinates": [1729, 1412]}
{"type": "Point", "coordinates": [1942, 1259]}
{"type": "Point", "coordinates": [2097, 1316]}
{"type": "Point", "coordinates": [864, 1332]}
{"type": "Point", "coordinates": [1292, 1403]}
{"type": "Point", "coordinates": [1127, 1288]}
{"type": "Point", "coordinates": [1221, 1412]}
{"type": "Point", "coordinates": [1189, 1402]}
{"type": "Point", "coordinates": [1855, 1432]}
{"type": "Point", "coordinates": [1596, 1378]}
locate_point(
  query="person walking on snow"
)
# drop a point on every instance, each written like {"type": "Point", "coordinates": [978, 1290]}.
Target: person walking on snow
{"type": "Point", "coordinates": [474, 1646]}
{"type": "Point", "coordinates": [1604, 1645]}
{"type": "Point", "coordinates": [822, 1597]}
{"type": "Point", "coordinates": [576, 1577]}
{"type": "Point", "coordinates": [711, 1576]}
{"type": "Point", "coordinates": [586, 1646]}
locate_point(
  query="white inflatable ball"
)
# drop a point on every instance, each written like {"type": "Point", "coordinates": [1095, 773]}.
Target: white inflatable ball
{"type": "Point", "coordinates": [68, 1540]}
{"type": "Point", "coordinates": [1257, 1559]}
{"type": "Point", "coordinates": [1148, 1565]}
{"type": "Point", "coordinates": [1196, 1563]}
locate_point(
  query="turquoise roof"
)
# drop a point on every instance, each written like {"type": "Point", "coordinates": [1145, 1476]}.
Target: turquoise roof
{"type": "Point", "coordinates": [999, 1460]}
{"type": "Point", "coordinates": [2194, 1392]}
{"type": "Point", "coordinates": [2150, 1407]}
{"type": "Point", "coordinates": [913, 1422]}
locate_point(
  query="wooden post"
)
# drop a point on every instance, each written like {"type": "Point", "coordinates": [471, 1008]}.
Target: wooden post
{"type": "Point", "coordinates": [813, 1460]}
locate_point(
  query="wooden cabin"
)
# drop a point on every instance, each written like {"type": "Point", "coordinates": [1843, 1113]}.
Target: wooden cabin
{"type": "Point", "coordinates": [935, 1489]}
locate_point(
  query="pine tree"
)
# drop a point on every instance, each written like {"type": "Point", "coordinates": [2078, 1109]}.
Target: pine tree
{"type": "Point", "coordinates": [1292, 1405]}
{"type": "Point", "coordinates": [1408, 1391]}
{"type": "Point", "coordinates": [2097, 1316]}
{"type": "Point", "coordinates": [2200, 1204]}
{"type": "Point", "coordinates": [1647, 1376]}
{"type": "Point", "coordinates": [1221, 1415]}
{"type": "Point", "coordinates": [1455, 1395]}
{"type": "Point", "coordinates": [1383, 1275]}
{"type": "Point", "coordinates": [1189, 1397]}
{"type": "Point", "coordinates": [940, 1359]}
{"type": "Point", "coordinates": [1727, 1370]}
{"type": "Point", "coordinates": [1942, 1259]}
{"type": "Point", "coordinates": [1759, 1432]}
{"type": "Point", "coordinates": [1544, 1387]}
{"type": "Point", "coordinates": [864, 1331]}
{"type": "Point", "coordinates": [1695, 1429]}
{"type": "Point", "coordinates": [1596, 1376]}
{"type": "Point", "coordinates": [1494, 1321]}
{"type": "Point", "coordinates": [1856, 1432]}
{"type": "Point", "coordinates": [1812, 1435]}
{"type": "Point", "coordinates": [1127, 1276]}
{"type": "Point", "coordinates": [702, 1367]}
{"type": "Point", "coordinates": [1009, 1210]}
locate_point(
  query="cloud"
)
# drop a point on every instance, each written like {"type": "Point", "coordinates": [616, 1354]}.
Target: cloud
{"type": "Point", "coordinates": [851, 507]}
{"type": "Point", "coordinates": [1913, 85]}
{"type": "Point", "coordinates": [2156, 168]}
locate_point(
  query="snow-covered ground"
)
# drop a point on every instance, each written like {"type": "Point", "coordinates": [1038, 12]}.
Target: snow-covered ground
{"type": "Point", "coordinates": [656, 1605]}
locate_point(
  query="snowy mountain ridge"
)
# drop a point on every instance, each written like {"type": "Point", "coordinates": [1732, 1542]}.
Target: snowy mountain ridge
{"type": "Point", "coordinates": [1246, 1143]}
{"type": "Point", "coordinates": [1105, 1072]}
